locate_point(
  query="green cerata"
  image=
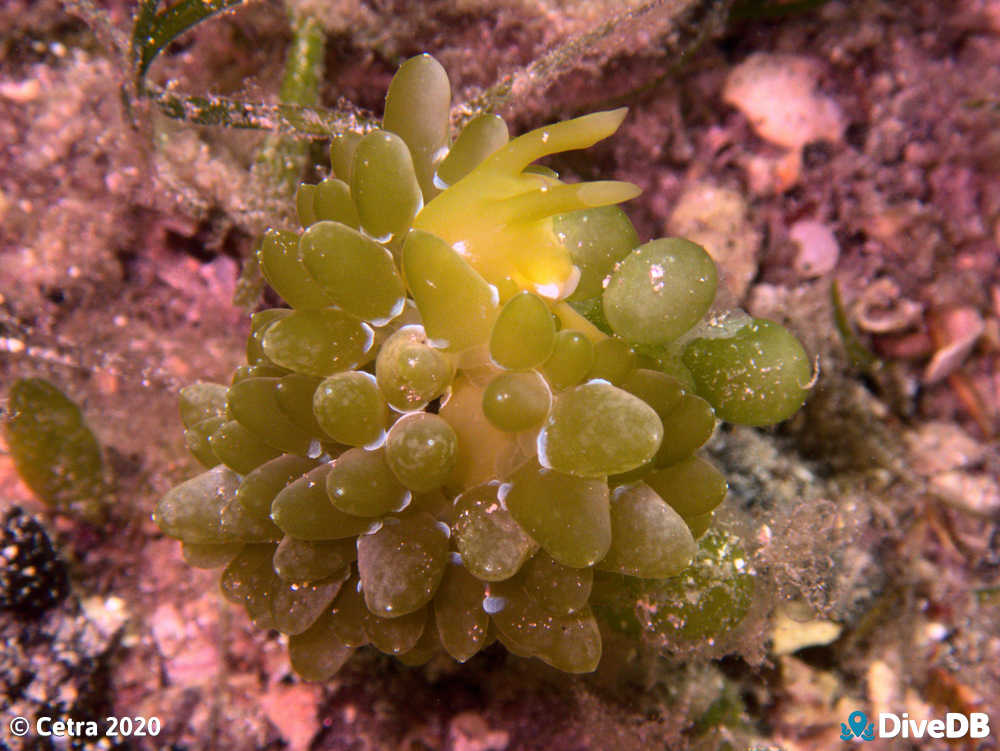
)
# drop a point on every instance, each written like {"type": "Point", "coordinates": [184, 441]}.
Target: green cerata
{"type": "Point", "coordinates": [481, 408]}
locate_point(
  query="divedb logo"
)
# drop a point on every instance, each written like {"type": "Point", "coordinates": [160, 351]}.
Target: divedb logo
{"type": "Point", "coordinates": [889, 725]}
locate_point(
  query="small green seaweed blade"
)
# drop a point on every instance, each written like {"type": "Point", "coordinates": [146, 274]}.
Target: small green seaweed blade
{"type": "Point", "coordinates": [53, 450]}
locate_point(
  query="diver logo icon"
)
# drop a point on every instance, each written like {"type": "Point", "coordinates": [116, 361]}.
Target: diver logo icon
{"type": "Point", "coordinates": [857, 726]}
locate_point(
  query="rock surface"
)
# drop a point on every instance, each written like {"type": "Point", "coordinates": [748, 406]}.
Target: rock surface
{"type": "Point", "coordinates": [120, 249]}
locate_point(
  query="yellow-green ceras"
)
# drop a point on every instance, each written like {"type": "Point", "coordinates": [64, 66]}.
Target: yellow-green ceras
{"type": "Point", "coordinates": [483, 405]}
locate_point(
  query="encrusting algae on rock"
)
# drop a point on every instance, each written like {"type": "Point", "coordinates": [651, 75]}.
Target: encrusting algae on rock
{"type": "Point", "coordinates": [483, 405]}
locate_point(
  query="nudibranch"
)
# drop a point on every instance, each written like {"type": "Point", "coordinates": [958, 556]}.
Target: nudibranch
{"type": "Point", "coordinates": [479, 418]}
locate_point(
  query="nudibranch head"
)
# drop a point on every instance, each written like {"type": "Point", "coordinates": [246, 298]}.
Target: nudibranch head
{"type": "Point", "coordinates": [500, 216]}
{"type": "Point", "coordinates": [481, 413]}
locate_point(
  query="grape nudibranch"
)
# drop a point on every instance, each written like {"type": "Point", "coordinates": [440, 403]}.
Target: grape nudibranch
{"type": "Point", "coordinates": [481, 409]}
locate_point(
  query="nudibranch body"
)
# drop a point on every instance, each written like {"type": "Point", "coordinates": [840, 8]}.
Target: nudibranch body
{"type": "Point", "coordinates": [499, 217]}
{"type": "Point", "coordinates": [479, 418]}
